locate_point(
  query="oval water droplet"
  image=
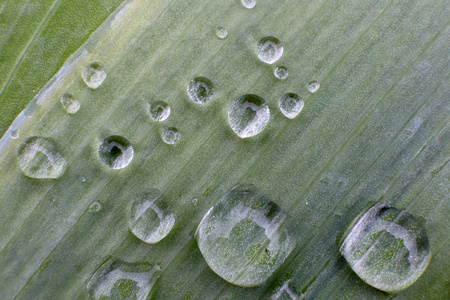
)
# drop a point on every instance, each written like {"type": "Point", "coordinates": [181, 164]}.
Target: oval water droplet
{"type": "Point", "coordinates": [248, 115]}
{"type": "Point", "coordinates": [200, 90]}
{"type": "Point", "coordinates": [70, 104]}
{"type": "Point", "coordinates": [159, 111]}
{"type": "Point", "coordinates": [313, 86]}
{"type": "Point", "coordinates": [149, 219]}
{"type": "Point", "coordinates": [116, 152]}
{"type": "Point", "coordinates": [291, 105]}
{"type": "Point", "coordinates": [269, 49]}
{"type": "Point", "coordinates": [93, 75]}
{"type": "Point", "coordinates": [249, 4]}
{"type": "Point", "coordinates": [123, 280]}
{"type": "Point", "coordinates": [221, 32]}
{"type": "Point", "coordinates": [244, 237]}
{"type": "Point", "coordinates": [171, 135]}
{"type": "Point", "coordinates": [38, 158]}
{"type": "Point", "coordinates": [387, 248]}
{"type": "Point", "coordinates": [281, 72]}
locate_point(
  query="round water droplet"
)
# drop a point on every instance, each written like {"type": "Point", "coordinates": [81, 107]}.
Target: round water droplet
{"type": "Point", "coordinates": [291, 105]}
{"type": "Point", "coordinates": [244, 237]}
{"type": "Point", "coordinates": [280, 72]}
{"type": "Point", "coordinates": [313, 86]}
{"type": "Point", "coordinates": [93, 75]}
{"type": "Point", "coordinates": [387, 248]}
{"type": "Point", "coordinates": [116, 152]}
{"type": "Point", "coordinates": [200, 90]}
{"type": "Point", "coordinates": [95, 207]}
{"type": "Point", "coordinates": [159, 111]}
{"type": "Point", "coordinates": [248, 115]}
{"type": "Point", "coordinates": [83, 179]}
{"type": "Point", "coordinates": [122, 280]}
{"type": "Point", "coordinates": [221, 32]}
{"type": "Point", "coordinates": [70, 104]}
{"type": "Point", "coordinates": [269, 49]}
{"type": "Point", "coordinates": [249, 4]}
{"type": "Point", "coordinates": [149, 219]}
{"type": "Point", "coordinates": [38, 158]}
{"type": "Point", "coordinates": [171, 135]}
{"type": "Point", "coordinates": [15, 134]}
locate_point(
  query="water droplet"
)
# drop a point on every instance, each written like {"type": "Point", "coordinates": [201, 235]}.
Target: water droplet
{"type": "Point", "coordinates": [122, 280]}
{"type": "Point", "coordinates": [116, 152]}
{"type": "Point", "coordinates": [244, 237]}
{"type": "Point", "coordinates": [200, 90]}
{"type": "Point", "coordinates": [291, 105]}
{"type": "Point", "coordinates": [221, 32]}
{"type": "Point", "coordinates": [171, 135]}
{"type": "Point", "coordinates": [248, 115]}
{"type": "Point", "coordinates": [387, 248]}
{"type": "Point", "coordinates": [149, 219]}
{"type": "Point", "coordinates": [159, 111]}
{"type": "Point", "coordinates": [194, 201]}
{"type": "Point", "coordinates": [70, 104]}
{"type": "Point", "coordinates": [82, 179]}
{"type": "Point", "coordinates": [249, 4]}
{"type": "Point", "coordinates": [95, 207]}
{"type": "Point", "coordinates": [93, 75]}
{"type": "Point", "coordinates": [281, 72]}
{"type": "Point", "coordinates": [15, 134]}
{"type": "Point", "coordinates": [38, 158]}
{"type": "Point", "coordinates": [313, 86]}
{"type": "Point", "coordinates": [269, 49]}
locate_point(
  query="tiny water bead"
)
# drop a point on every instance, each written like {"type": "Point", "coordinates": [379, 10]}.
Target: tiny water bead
{"type": "Point", "coordinates": [244, 237]}
{"type": "Point", "coordinates": [280, 72]}
{"type": "Point", "coordinates": [171, 135]}
{"type": "Point", "coordinates": [313, 86]}
{"type": "Point", "coordinates": [116, 152]}
{"type": "Point", "coordinates": [269, 49]}
{"type": "Point", "coordinates": [388, 248]}
{"type": "Point", "coordinates": [93, 75]}
{"type": "Point", "coordinates": [70, 104]}
{"type": "Point", "coordinates": [95, 207]}
{"type": "Point", "coordinates": [123, 280]}
{"type": "Point", "coordinates": [38, 158]}
{"type": "Point", "coordinates": [249, 4]}
{"type": "Point", "coordinates": [221, 32]}
{"type": "Point", "coordinates": [15, 134]}
{"type": "Point", "coordinates": [200, 90]}
{"type": "Point", "coordinates": [159, 111]}
{"type": "Point", "coordinates": [291, 105]}
{"type": "Point", "coordinates": [248, 115]}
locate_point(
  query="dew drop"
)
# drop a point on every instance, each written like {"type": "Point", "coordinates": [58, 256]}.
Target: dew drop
{"type": "Point", "coordinates": [244, 237]}
{"type": "Point", "coordinates": [280, 72]}
{"type": "Point", "coordinates": [159, 111]}
{"type": "Point", "coordinates": [388, 248]}
{"type": "Point", "coordinates": [200, 90]}
{"type": "Point", "coordinates": [291, 105]}
{"type": "Point", "coordinates": [171, 135]}
{"type": "Point", "coordinates": [93, 75]}
{"type": "Point", "coordinates": [269, 49]}
{"type": "Point", "coordinates": [70, 104]}
{"type": "Point", "coordinates": [83, 179]}
{"type": "Point", "coordinates": [95, 207]}
{"type": "Point", "coordinates": [248, 115]}
{"type": "Point", "coordinates": [116, 152]}
{"type": "Point", "coordinates": [221, 32]}
{"type": "Point", "coordinates": [15, 134]}
{"type": "Point", "coordinates": [313, 87]}
{"type": "Point", "coordinates": [249, 4]}
{"type": "Point", "coordinates": [38, 158]}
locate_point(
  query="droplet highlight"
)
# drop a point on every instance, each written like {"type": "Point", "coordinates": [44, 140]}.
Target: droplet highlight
{"type": "Point", "coordinates": [248, 115]}
{"type": "Point", "coordinates": [171, 135]}
{"type": "Point", "coordinates": [70, 104]}
{"type": "Point", "coordinates": [249, 4]}
{"type": "Point", "coordinates": [200, 90]}
{"type": "Point", "coordinates": [269, 49]}
{"type": "Point", "coordinates": [93, 75]}
{"type": "Point", "coordinates": [313, 87]}
{"type": "Point", "coordinates": [221, 32]}
{"type": "Point", "coordinates": [159, 111]}
{"type": "Point", "coordinates": [281, 72]}
{"type": "Point", "coordinates": [291, 105]}
{"type": "Point", "coordinates": [116, 152]}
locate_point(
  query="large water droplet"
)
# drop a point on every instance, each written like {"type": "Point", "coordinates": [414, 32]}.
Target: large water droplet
{"type": "Point", "coordinates": [116, 152]}
{"type": "Point", "coordinates": [280, 72]}
{"type": "Point", "coordinates": [159, 111]}
{"type": "Point", "coordinates": [122, 280]}
{"type": "Point", "coordinates": [248, 115]}
{"type": "Point", "coordinates": [70, 104]}
{"type": "Point", "coordinates": [38, 158]}
{"type": "Point", "coordinates": [244, 237]}
{"type": "Point", "coordinates": [269, 49]}
{"type": "Point", "coordinates": [93, 75]}
{"type": "Point", "coordinates": [249, 4]}
{"type": "Point", "coordinates": [387, 248]}
{"type": "Point", "coordinates": [149, 219]}
{"type": "Point", "coordinates": [291, 105]}
{"type": "Point", "coordinates": [221, 32]}
{"type": "Point", "coordinates": [313, 87]}
{"type": "Point", "coordinates": [200, 90]}
{"type": "Point", "coordinates": [171, 135]}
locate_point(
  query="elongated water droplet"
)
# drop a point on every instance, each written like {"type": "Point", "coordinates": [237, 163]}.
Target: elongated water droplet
{"type": "Point", "coordinates": [122, 280]}
{"type": "Point", "coordinates": [269, 49]}
{"type": "Point", "coordinates": [244, 237]}
{"type": "Point", "coordinates": [200, 90]}
{"type": "Point", "coordinates": [313, 86]}
{"type": "Point", "coordinates": [221, 32]}
{"type": "Point", "coordinates": [93, 75]}
{"type": "Point", "coordinates": [291, 105]}
{"type": "Point", "coordinates": [70, 104]}
{"type": "Point", "coordinates": [280, 72]}
{"type": "Point", "coordinates": [159, 111]}
{"type": "Point", "coordinates": [38, 158]}
{"type": "Point", "coordinates": [249, 4]}
{"type": "Point", "coordinates": [248, 115]}
{"type": "Point", "coordinates": [116, 152]}
{"type": "Point", "coordinates": [387, 248]}
{"type": "Point", "coordinates": [171, 135]}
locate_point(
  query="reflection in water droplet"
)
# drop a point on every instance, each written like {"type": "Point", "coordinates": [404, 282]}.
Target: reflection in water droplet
{"type": "Point", "coordinates": [281, 72]}
{"type": "Point", "coordinates": [249, 4]}
{"type": "Point", "coordinates": [93, 75]}
{"type": "Point", "coordinates": [70, 104]}
{"type": "Point", "coordinates": [387, 248]}
{"type": "Point", "coordinates": [313, 87]}
{"type": "Point", "coordinates": [116, 152]}
{"type": "Point", "coordinates": [122, 280]}
{"type": "Point", "coordinates": [269, 49]}
{"type": "Point", "coordinates": [221, 32]}
{"type": "Point", "coordinates": [200, 90]}
{"type": "Point", "coordinates": [38, 158]}
{"type": "Point", "coordinates": [95, 207]}
{"type": "Point", "coordinates": [244, 237]}
{"type": "Point", "coordinates": [248, 115]}
{"type": "Point", "coordinates": [291, 105]}
{"type": "Point", "coordinates": [171, 135]}
{"type": "Point", "coordinates": [159, 111]}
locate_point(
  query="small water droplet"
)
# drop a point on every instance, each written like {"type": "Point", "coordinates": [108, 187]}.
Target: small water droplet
{"type": "Point", "coordinates": [116, 152]}
{"type": "Point", "coordinates": [244, 237]}
{"type": "Point", "coordinates": [195, 201]}
{"type": "Point", "coordinates": [70, 104]}
{"type": "Point", "coordinates": [95, 207]}
{"type": "Point", "coordinates": [200, 90]}
{"type": "Point", "coordinates": [387, 248]}
{"type": "Point", "coordinates": [221, 32]}
{"type": "Point", "coordinates": [159, 111]}
{"type": "Point", "coordinates": [280, 72]}
{"type": "Point", "coordinates": [269, 49]}
{"type": "Point", "coordinates": [38, 158]}
{"type": "Point", "coordinates": [171, 135]}
{"type": "Point", "coordinates": [249, 4]}
{"type": "Point", "coordinates": [313, 86]}
{"type": "Point", "coordinates": [15, 134]}
{"type": "Point", "coordinates": [93, 75]}
{"type": "Point", "coordinates": [291, 105]}
{"type": "Point", "coordinates": [248, 115]}
{"type": "Point", "coordinates": [82, 179]}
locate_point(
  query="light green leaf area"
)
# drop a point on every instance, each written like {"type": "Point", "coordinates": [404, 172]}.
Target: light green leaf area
{"type": "Point", "coordinates": [376, 129]}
